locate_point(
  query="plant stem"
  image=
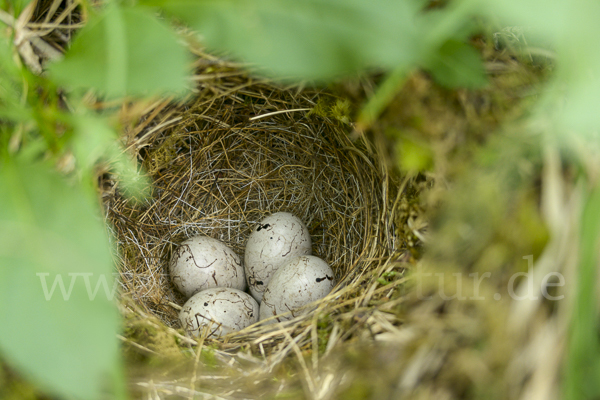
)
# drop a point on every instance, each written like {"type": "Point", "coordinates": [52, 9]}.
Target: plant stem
{"type": "Point", "coordinates": [382, 97]}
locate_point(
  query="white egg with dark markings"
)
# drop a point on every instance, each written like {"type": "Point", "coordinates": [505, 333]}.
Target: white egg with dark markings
{"type": "Point", "coordinates": [299, 282]}
{"type": "Point", "coordinates": [277, 239]}
{"type": "Point", "coordinates": [218, 311]}
{"type": "Point", "coordinates": [202, 262]}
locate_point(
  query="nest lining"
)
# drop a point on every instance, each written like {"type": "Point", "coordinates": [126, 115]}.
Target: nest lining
{"type": "Point", "coordinates": [217, 171]}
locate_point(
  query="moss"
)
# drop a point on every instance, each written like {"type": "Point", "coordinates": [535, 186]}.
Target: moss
{"type": "Point", "coordinates": [324, 328]}
{"type": "Point", "coordinates": [208, 357]}
{"type": "Point", "coordinates": [161, 345]}
{"type": "Point", "coordinates": [331, 108]}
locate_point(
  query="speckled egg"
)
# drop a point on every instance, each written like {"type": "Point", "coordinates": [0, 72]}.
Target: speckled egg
{"type": "Point", "coordinates": [277, 239]}
{"type": "Point", "coordinates": [202, 262]}
{"type": "Point", "coordinates": [297, 283]}
{"type": "Point", "coordinates": [218, 311]}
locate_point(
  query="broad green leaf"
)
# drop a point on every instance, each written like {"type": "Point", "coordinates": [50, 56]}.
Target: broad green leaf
{"type": "Point", "coordinates": [50, 233]}
{"type": "Point", "coordinates": [312, 39]}
{"type": "Point", "coordinates": [579, 95]}
{"type": "Point", "coordinates": [576, 107]}
{"type": "Point", "coordinates": [543, 19]}
{"type": "Point", "coordinates": [95, 140]}
{"type": "Point", "coordinates": [125, 51]}
{"type": "Point", "coordinates": [457, 64]}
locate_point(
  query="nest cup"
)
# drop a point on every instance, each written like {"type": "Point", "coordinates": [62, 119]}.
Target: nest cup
{"type": "Point", "coordinates": [222, 161]}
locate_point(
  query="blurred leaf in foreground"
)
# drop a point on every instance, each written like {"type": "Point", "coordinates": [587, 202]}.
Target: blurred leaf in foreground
{"type": "Point", "coordinates": [569, 29]}
{"type": "Point", "coordinates": [309, 39]}
{"type": "Point", "coordinates": [57, 318]}
{"type": "Point", "coordinates": [11, 105]}
{"type": "Point", "coordinates": [582, 365]}
{"type": "Point", "coordinates": [125, 51]}
{"type": "Point", "coordinates": [456, 64]}
{"type": "Point", "coordinates": [94, 141]}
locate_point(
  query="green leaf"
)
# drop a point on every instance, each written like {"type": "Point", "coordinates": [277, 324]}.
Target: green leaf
{"type": "Point", "coordinates": [95, 141]}
{"type": "Point", "coordinates": [457, 64]}
{"type": "Point", "coordinates": [582, 365]}
{"type": "Point", "coordinates": [17, 5]}
{"type": "Point", "coordinates": [577, 89]}
{"type": "Point", "coordinates": [543, 19]}
{"type": "Point", "coordinates": [7, 65]}
{"type": "Point", "coordinates": [569, 28]}
{"type": "Point", "coordinates": [312, 39]}
{"type": "Point", "coordinates": [11, 107]}
{"type": "Point", "coordinates": [125, 51]}
{"type": "Point", "coordinates": [51, 231]}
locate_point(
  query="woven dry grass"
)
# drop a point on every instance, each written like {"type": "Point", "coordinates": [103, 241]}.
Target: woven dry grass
{"type": "Point", "coordinates": [237, 151]}
{"type": "Point", "coordinates": [219, 162]}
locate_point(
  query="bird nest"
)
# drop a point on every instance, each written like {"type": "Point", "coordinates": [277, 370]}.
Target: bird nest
{"type": "Point", "coordinates": [236, 152]}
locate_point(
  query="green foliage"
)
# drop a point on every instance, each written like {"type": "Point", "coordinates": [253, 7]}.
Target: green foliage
{"type": "Point", "coordinates": [50, 230]}
{"type": "Point", "coordinates": [51, 233]}
{"type": "Point", "coordinates": [125, 51]}
{"type": "Point", "coordinates": [569, 107]}
{"type": "Point", "coordinates": [384, 95]}
{"type": "Point", "coordinates": [457, 64]}
{"type": "Point", "coordinates": [11, 107]}
{"type": "Point", "coordinates": [94, 140]}
{"type": "Point", "coordinates": [15, 5]}
{"type": "Point", "coordinates": [583, 361]}
{"type": "Point", "coordinates": [311, 39]}
{"type": "Point", "coordinates": [320, 40]}
{"type": "Point", "coordinates": [569, 28]}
